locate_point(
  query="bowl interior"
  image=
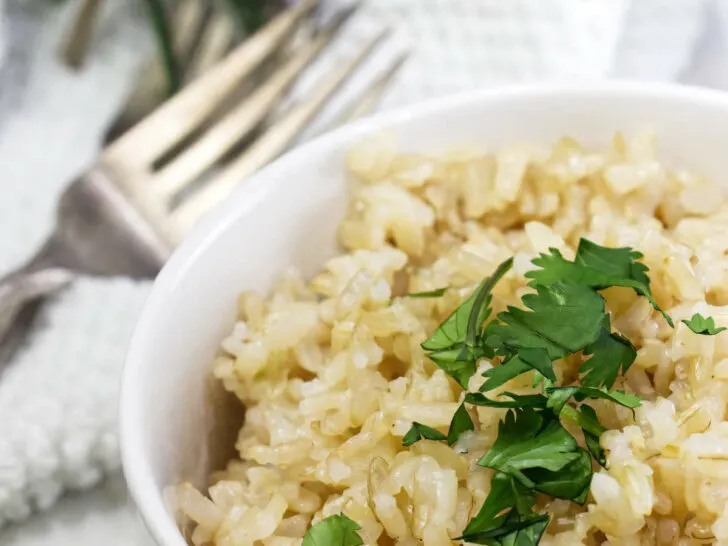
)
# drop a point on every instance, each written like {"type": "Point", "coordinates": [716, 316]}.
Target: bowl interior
{"type": "Point", "coordinates": [176, 424]}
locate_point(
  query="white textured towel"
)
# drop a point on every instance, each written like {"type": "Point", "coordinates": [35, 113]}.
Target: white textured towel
{"type": "Point", "coordinates": [58, 401]}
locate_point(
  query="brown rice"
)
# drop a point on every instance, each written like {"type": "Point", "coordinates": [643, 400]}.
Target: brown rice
{"type": "Point", "coordinates": [332, 373]}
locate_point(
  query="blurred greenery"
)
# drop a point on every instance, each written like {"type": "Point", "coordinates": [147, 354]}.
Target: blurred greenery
{"type": "Point", "coordinates": [250, 14]}
{"type": "Point", "coordinates": [158, 16]}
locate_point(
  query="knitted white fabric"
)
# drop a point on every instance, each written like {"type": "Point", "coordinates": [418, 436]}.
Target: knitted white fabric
{"type": "Point", "coordinates": [58, 401]}
{"type": "Point", "coordinates": [59, 420]}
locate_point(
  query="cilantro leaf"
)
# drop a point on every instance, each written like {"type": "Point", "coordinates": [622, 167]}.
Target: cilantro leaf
{"type": "Point", "coordinates": [585, 416]}
{"type": "Point", "coordinates": [460, 423]}
{"type": "Point", "coordinates": [539, 379]}
{"type": "Point", "coordinates": [516, 530]}
{"type": "Point", "coordinates": [438, 292]}
{"type": "Point", "coordinates": [560, 395]}
{"type": "Point", "coordinates": [482, 301]}
{"type": "Point", "coordinates": [538, 359]}
{"type": "Point", "coordinates": [597, 267]}
{"type": "Point", "coordinates": [563, 319]}
{"type": "Point", "coordinates": [592, 429]}
{"type": "Point", "coordinates": [418, 431]}
{"type": "Point", "coordinates": [505, 492]}
{"type": "Point", "coordinates": [452, 331]}
{"type": "Point", "coordinates": [530, 439]}
{"type": "Point", "coordinates": [474, 310]}
{"type": "Point", "coordinates": [703, 326]}
{"type": "Point", "coordinates": [526, 359]}
{"type": "Point", "coordinates": [516, 400]}
{"type": "Point", "coordinates": [498, 375]}
{"type": "Point", "coordinates": [610, 354]}
{"type": "Point", "coordinates": [570, 482]}
{"type": "Point", "coordinates": [455, 344]}
{"type": "Point", "coordinates": [528, 530]}
{"type": "Point", "coordinates": [537, 451]}
{"type": "Point", "coordinates": [336, 530]}
{"type": "Point", "coordinates": [459, 362]}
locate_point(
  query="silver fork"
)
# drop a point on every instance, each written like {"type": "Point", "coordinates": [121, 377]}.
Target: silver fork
{"type": "Point", "coordinates": [125, 215]}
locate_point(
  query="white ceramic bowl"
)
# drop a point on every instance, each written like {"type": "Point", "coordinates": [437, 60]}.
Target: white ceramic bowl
{"type": "Point", "coordinates": [175, 423]}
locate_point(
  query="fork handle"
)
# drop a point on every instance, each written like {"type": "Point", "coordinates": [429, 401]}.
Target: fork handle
{"type": "Point", "coordinates": [37, 279]}
{"type": "Point", "coordinates": [25, 285]}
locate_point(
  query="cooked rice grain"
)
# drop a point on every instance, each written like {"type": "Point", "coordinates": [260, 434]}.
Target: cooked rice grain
{"type": "Point", "coordinates": [333, 374]}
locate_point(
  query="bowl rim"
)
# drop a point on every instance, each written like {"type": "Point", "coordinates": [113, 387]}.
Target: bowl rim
{"type": "Point", "coordinates": [137, 470]}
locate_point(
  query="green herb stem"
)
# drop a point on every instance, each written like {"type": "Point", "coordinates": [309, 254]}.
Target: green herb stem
{"type": "Point", "coordinates": [158, 17]}
{"type": "Point", "coordinates": [570, 413]}
{"type": "Point", "coordinates": [250, 13]}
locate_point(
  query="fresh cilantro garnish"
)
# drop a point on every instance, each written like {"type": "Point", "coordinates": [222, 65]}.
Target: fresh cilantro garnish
{"type": "Point", "coordinates": [558, 396]}
{"type": "Point", "coordinates": [597, 267]}
{"type": "Point", "coordinates": [587, 419]}
{"type": "Point", "coordinates": [571, 482]}
{"type": "Point", "coordinates": [585, 416]}
{"type": "Point", "coordinates": [455, 344]}
{"type": "Point", "coordinates": [418, 431]}
{"type": "Point", "coordinates": [592, 429]}
{"type": "Point", "coordinates": [610, 354]}
{"type": "Point", "coordinates": [498, 375]}
{"type": "Point", "coordinates": [523, 531]}
{"type": "Point", "coordinates": [506, 519]}
{"type": "Point", "coordinates": [505, 493]}
{"type": "Point", "coordinates": [437, 293]}
{"type": "Point", "coordinates": [460, 362]}
{"type": "Point", "coordinates": [539, 380]}
{"type": "Point", "coordinates": [516, 400]}
{"type": "Point", "coordinates": [530, 441]}
{"type": "Point", "coordinates": [565, 317]}
{"type": "Point", "coordinates": [460, 423]}
{"type": "Point", "coordinates": [556, 399]}
{"type": "Point", "coordinates": [538, 359]}
{"type": "Point", "coordinates": [336, 530]}
{"type": "Point", "coordinates": [703, 326]}
{"type": "Point", "coordinates": [514, 531]}
{"type": "Point", "coordinates": [455, 328]}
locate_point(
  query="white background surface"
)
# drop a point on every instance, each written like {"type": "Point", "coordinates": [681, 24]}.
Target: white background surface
{"type": "Point", "coordinates": [58, 402]}
{"type": "Point", "coordinates": [103, 516]}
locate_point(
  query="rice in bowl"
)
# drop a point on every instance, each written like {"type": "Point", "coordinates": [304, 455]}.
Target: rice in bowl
{"type": "Point", "coordinates": [333, 375]}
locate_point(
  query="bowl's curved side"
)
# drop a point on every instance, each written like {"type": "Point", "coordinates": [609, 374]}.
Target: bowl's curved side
{"type": "Point", "coordinates": [287, 214]}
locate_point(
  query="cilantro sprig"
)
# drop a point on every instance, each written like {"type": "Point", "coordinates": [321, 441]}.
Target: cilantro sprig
{"type": "Point", "coordinates": [436, 293]}
{"type": "Point", "coordinates": [456, 345]}
{"type": "Point", "coordinates": [336, 530]}
{"type": "Point", "coordinates": [566, 316]}
{"type": "Point", "coordinates": [506, 515]}
{"type": "Point", "coordinates": [461, 422]}
{"type": "Point", "coordinates": [703, 326]}
{"type": "Point", "coordinates": [420, 431]}
{"type": "Point", "coordinates": [597, 267]}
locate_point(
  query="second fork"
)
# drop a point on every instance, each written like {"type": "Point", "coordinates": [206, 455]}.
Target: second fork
{"type": "Point", "coordinates": [126, 214]}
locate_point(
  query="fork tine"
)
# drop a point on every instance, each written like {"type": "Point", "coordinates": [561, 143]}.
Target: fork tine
{"type": "Point", "coordinates": [370, 99]}
{"type": "Point", "coordinates": [215, 42]}
{"type": "Point", "coordinates": [187, 25]}
{"type": "Point", "coordinates": [267, 147]}
{"type": "Point", "coordinates": [182, 113]}
{"type": "Point", "coordinates": [243, 119]}
{"type": "Point", "coordinates": [78, 39]}
{"type": "Point", "coordinates": [187, 22]}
